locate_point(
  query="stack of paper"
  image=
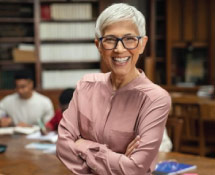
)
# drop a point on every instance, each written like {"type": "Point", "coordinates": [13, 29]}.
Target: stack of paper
{"type": "Point", "coordinates": [51, 136]}
{"type": "Point", "coordinates": [18, 129]}
{"type": "Point", "coordinates": [45, 147]}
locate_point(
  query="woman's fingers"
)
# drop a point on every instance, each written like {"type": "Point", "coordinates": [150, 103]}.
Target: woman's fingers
{"type": "Point", "coordinates": [134, 144]}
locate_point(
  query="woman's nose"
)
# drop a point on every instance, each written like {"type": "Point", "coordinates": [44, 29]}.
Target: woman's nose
{"type": "Point", "coordinates": [120, 47]}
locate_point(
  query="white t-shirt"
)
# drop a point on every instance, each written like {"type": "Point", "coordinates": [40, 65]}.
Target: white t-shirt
{"type": "Point", "coordinates": [27, 110]}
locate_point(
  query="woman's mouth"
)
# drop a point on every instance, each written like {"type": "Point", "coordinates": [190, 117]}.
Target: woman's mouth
{"type": "Point", "coordinates": [120, 61]}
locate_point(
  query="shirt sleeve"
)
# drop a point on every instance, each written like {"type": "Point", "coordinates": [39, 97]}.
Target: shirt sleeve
{"type": "Point", "coordinates": [68, 133]}
{"type": "Point", "coordinates": [49, 111]}
{"type": "Point", "coordinates": [151, 125]}
{"type": "Point", "coordinates": [103, 161]}
{"type": "Point", "coordinates": [53, 123]}
{"type": "Point", "coordinates": [3, 113]}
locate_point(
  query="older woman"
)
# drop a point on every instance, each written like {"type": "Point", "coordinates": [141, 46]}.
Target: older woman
{"type": "Point", "coordinates": [115, 121]}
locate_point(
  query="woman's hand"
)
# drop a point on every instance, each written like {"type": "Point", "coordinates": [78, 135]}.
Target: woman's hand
{"type": "Point", "coordinates": [133, 145]}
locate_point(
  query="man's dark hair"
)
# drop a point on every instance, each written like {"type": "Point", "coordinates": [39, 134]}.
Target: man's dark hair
{"type": "Point", "coordinates": [66, 96]}
{"type": "Point", "coordinates": [23, 75]}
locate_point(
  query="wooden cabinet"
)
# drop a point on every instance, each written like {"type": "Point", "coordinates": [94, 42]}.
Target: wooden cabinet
{"type": "Point", "coordinates": [181, 39]}
{"type": "Point", "coordinates": [157, 41]}
{"type": "Point", "coordinates": [190, 42]}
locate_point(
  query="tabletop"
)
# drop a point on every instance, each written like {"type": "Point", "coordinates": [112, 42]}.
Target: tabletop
{"type": "Point", "coordinates": [17, 160]}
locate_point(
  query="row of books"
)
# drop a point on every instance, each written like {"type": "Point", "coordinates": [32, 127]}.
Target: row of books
{"type": "Point", "coordinates": [16, 10]}
{"type": "Point", "coordinates": [66, 11]}
{"type": "Point", "coordinates": [84, 30]}
{"type": "Point", "coordinates": [6, 51]}
{"type": "Point", "coordinates": [52, 79]}
{"type": "Point", "coordinates": [16, 30]}
{"type": "Point", "coordinates": [69, 52]}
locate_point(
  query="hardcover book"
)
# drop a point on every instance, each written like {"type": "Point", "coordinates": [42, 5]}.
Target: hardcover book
{"type": "Point", "coordinates": [172, 168]}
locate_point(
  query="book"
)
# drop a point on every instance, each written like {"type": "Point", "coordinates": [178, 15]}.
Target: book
{"type": "Point", "coordinates": [45, 147]}
{"type": "Point", "coordinates": [172, 168]}
{"type": "Point", "coordinates": [26, 130]}
{"type": "Point", "coordinates": [18, 129]}
{"type": "Point", "coordinates": [45, 12]}
{"type": "Point", "coordinates": [6, 130]}
{"type": "Point", "coordinates": [50, 137]}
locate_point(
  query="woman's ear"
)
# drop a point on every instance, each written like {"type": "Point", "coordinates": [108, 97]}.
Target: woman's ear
{"type": "Point", "coordinates": [143, 44]}
{"type": "Point", "coordinates": [97, 44]}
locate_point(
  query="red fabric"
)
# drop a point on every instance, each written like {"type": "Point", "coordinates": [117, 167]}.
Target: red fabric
{"type": "Point", "coordinates": [53, 123]}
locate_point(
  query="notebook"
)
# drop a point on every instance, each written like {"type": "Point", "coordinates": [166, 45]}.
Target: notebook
{"type": "Point", "coordinates": [172, 168]}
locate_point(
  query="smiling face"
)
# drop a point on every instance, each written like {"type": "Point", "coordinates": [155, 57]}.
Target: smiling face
{"type": "Point", "coordinates": [121, 61]}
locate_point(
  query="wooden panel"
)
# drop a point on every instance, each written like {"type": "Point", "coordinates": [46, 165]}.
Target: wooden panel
{"type": "Point", "coordinates": [175, 13]}
{"type": "Point", "coordinates": [212, 41]}
{"type": "Point", "coordinates": [202, 20]}
{"type": "Point", "coordinates": [168, 40]}
{"type": "Point", "coordinates": [188, 20]}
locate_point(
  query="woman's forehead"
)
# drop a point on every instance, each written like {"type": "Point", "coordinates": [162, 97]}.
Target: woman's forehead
{"type": "Point", "coordinates": [121, 28]}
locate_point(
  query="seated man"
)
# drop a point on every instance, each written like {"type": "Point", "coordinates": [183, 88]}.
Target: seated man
{"type": "Point", "coordinates": [26, 106]}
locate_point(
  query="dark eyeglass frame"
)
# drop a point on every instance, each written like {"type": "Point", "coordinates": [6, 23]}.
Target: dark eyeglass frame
{"type": "Point", "coordinates": [120, 39]}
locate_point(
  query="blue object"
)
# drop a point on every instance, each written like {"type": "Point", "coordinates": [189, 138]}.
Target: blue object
{"type": "Point", "coordinates": [172, 167]}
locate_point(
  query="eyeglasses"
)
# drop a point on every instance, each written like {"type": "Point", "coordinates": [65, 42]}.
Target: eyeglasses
{"type": "Point", "coordinates": [128, 42]}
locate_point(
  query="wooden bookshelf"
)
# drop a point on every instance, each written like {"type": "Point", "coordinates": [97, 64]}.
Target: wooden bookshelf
{"type": "Point", "coordinates": [186, 40]}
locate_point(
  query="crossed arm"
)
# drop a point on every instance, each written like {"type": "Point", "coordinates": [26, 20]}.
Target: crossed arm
{"type": "Point", "coordinates": [83, 156]}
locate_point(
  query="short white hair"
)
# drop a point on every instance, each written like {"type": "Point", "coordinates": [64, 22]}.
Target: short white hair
{"type": "Point", "coordinates": [120, 12]}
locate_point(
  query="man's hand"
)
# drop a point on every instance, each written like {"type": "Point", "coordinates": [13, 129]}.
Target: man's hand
{"type": "Point", "coordinates": [5, 121]}
{"type": "Point", "coordinates": [133, 145]}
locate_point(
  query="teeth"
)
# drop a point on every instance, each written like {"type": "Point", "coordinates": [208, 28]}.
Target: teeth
{"type": "Point", "coordinates": [121, 59]}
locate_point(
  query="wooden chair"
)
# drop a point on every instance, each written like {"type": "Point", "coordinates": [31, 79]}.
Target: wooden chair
{"type": "Point", "coordinates": [193, 138]}
{"type": "Point", "coordinates": [174, 129]}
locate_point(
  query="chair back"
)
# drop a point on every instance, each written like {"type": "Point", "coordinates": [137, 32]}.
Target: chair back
{"type": "Point", "coordinates": [174, 128]}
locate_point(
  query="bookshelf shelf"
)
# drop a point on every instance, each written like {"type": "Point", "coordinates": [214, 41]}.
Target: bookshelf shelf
{"type": "Point", "coordinates": [69, 21]}
{"type": "Point", "coordinates": [71, 65]}
{"type": "Point", "coordinates": [66, 1]}
{"type": "Point", "coordinates": [67, 41]}
{"type": "Point", "coordinates": [10, 62]}
{"type": "Point", "coordinates": [18, 1]}
{"type": "Point", "coordinates": [16, 20]}
{"type": "Point", "coordinates": [197, 44]}
{"type": "Point", "coordinates": [16, 39]}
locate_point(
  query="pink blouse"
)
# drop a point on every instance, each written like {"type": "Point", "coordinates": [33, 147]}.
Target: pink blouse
{"type": "Point", "coordinates": [109, 120]}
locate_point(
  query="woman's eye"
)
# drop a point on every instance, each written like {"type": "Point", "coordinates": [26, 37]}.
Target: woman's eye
{"type": "Point", "coordinates": [109, 40]}
{"type": "Point", "coordinates": [130, 39]}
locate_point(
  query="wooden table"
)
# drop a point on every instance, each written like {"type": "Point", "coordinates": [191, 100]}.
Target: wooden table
{"type": "Point", "coordinates": [206, 106]}
{"type": "Point", "coordinates": [20, 161]}
{"type": "Point", "coordinates": [205, 166]}
{"type": "Point", "coordinates": [17, 160]}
